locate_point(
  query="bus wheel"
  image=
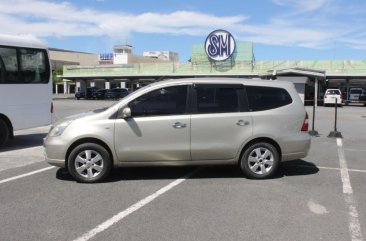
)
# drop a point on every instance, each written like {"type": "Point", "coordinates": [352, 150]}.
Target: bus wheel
{"type": "Point", "coordinates": [4, 132]}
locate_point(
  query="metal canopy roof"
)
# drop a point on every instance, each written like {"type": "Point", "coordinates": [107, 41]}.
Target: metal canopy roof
{"type": "Point", "coordinates": [298, 71]}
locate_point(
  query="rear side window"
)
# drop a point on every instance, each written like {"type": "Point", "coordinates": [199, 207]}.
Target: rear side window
{"type": "Point", "coordinates": [265, 98]}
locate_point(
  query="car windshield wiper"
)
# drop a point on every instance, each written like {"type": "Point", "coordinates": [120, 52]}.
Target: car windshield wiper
{"type": "Point", "coordinates": [100, 110]}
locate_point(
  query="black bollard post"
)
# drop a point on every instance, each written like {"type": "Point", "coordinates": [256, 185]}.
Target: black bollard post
{"type": "Point", "coordinates": [313, 132]}
{"type": "Point", "coordinates": [335, 133]}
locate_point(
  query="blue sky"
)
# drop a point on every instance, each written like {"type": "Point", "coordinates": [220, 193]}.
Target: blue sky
{"type": "Point", "coordinates": [279, 29]}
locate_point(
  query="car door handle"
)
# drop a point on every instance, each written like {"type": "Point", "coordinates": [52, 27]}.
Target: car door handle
{"type": "Point", "coordinates": [242, 123]}
{"type": "Point", "coordinates": [179, 125]}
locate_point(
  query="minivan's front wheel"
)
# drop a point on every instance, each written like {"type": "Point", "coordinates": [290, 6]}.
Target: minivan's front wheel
{"type": "Point", "coordinates": [260, 161]}
{"type": "Point", "coordinates": [89, 163]}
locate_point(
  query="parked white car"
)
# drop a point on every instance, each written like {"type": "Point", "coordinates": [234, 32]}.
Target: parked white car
{"type": "Point", "coordinates": [332, 96]}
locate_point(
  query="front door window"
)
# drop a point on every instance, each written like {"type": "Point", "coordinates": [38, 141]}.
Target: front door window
{"type": "Point", "coordinates": [164, 101]}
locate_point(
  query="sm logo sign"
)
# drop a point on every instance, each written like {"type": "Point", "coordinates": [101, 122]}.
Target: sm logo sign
{"type": "Point", "coordinates": [220, 45]}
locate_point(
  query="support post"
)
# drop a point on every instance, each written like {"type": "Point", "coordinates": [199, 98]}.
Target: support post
{"type": "Point", "coordinates": [316, 91]}
{"type": "Point", "coordinates": [65, 87]}
{"type": "Point", "coordinates": [335, 133]}
{"type": "Point", "coordinates": [313, 132]}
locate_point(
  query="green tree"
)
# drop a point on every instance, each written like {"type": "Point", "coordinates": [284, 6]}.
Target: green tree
{"type": "Point", "coordinates": [56, 72]}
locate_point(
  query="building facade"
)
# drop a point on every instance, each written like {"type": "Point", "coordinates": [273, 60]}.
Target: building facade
{"type": "Point", "coordinates": [311, 78]}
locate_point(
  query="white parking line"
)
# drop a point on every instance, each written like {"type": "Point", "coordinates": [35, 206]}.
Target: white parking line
{"type": "Point", "coordinates": [25, 175]}
{"type": "Point", "coordinates": [354, 223]}
{"type": "Point", "coordinates": [118, 217]}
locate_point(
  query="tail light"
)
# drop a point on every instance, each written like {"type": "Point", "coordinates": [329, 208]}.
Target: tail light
{"type": "Point", "coordinates": [51, 107]}
{"type": "Point", "coordinates": [305, 125]}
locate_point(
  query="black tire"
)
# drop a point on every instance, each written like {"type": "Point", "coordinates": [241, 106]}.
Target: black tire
{"type": "Point", "coordinates": [262, 167]}
{"type": "Point", "coordinates": [4, 132]}
{"type": "Point", "coordinates": [78, 157]}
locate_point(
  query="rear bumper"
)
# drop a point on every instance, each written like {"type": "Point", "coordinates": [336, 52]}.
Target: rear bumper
{"type": "Point", "coordinates": [332, 101]}
{"type": "Point", "coordinates": [294, 156]}
{"type": "Point", "coordinates": [297, 147]}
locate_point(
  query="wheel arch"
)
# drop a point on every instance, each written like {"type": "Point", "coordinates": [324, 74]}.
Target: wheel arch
{"type": "Point", "coordinates": [8, 123]}
{"type": "Point", "coordinates": [258, 140]}
{"type": "Point", "coordinates": [88, 140]}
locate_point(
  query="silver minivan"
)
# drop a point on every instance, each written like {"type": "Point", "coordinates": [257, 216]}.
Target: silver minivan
{"type": "Point", "coordinates": [253, 123]}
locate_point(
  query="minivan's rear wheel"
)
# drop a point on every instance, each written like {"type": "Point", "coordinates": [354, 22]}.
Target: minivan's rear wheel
{"type": "Point", "coordinates": [4, 132]}
{"type": "Point", "coordinates": [260, 161]}
{"type": "Point", "coordinates": [89, 163]}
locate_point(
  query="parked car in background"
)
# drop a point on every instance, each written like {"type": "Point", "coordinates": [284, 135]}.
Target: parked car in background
{"type": "Point", "coordinates": [80, 94]}
{"type": "Point", "coordinates": [354, 94]}
{"type": "Point", "coordinates": [333, 96]}
{"type": "Point", "coordinates": [362, 97]}
{"type": "Point", "coordinates": [186, 122]}
{"type": "Point", "coordinates": [90, 91]}
{"type": "Point", "coordinates": [99, 94]}
{"type": "Point", "coordinates": [117, 93]}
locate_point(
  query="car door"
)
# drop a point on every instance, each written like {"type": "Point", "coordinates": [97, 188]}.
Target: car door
{"type": "Point", "coordinates": [158, 129]}
{"type": "Point", "coordinates": [220, 121]}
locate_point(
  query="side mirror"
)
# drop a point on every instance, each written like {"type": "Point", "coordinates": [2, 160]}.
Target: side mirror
{"type": "Point", "coordinates": [126, 112]}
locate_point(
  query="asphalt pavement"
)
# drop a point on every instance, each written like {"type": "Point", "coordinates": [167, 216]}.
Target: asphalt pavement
{"type": "Point", "coordinates": [321, 197]}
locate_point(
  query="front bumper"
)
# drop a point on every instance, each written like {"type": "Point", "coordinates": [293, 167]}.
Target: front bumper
{"type": "Point", "coordinates": [54, 151]}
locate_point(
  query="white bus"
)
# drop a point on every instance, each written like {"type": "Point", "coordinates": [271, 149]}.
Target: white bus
{"type": "Point", "coordinates": [25, 85]}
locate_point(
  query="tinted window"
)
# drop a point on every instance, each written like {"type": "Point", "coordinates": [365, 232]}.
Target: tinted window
{"type": "Point", "coordinates": [218, 98]}
{"type": "Point", "coordinates": [21, 65]}
{"type": "Point", "coordinates": [164, 101]}
{"type": "Point", "coordinates": [266, 98]}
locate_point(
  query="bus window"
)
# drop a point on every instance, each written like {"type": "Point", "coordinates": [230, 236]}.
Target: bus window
{"type": "Point", "coordinates": [2, 70]}
{"type": "Point", "coordinates": [9, 57]}
{"type": "Point", "coordinates": [31, 67]}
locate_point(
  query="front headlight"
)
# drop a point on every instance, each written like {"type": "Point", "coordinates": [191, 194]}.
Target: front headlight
{"type": "Point", "coordinates": [59, 129]}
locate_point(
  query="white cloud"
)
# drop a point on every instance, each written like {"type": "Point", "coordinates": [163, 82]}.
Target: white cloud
{"type": "Point", "coordinates": [64, 19]}
{"type": "Point", "coordinates": [303, 5]}
{"type": "Point", "coordinates": [303, 26]}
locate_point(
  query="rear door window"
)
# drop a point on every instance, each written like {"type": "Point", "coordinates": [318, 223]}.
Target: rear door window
{"type": "Point", "coordinates": [265, 98]}
{"type": "Point", "coordinates": [218, 98]}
